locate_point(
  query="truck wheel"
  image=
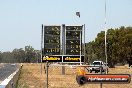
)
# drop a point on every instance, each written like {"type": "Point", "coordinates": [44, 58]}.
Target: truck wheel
{"type": "Point", "coordinates": [81, 80]}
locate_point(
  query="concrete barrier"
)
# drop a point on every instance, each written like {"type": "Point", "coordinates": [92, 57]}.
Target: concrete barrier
{"type": "Point", "coordinates": [11, 81]}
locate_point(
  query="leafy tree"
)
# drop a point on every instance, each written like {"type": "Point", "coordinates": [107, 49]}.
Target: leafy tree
{"type": "Point", "coordinates": [7, 57]}
{"type": "Point", "coordinates": [119, 46]}
{"type": "Point", "coordinates": [29, 54]}
{"type": "Point", "coordinates": [19, 55]}
{"type": "Point", "coordinates": [0, 56]}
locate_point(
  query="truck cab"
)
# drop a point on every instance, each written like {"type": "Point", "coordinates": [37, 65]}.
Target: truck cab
{"type": "Point", "coordinates": [98, 66]}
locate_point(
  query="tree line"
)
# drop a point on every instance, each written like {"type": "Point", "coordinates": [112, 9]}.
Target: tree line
{"type": "Point", "coordinates": [119, 49]}
{"type": "Point", "coordinates": [27, 54]}
{"type": "Point", "coordinates": [119, 46]}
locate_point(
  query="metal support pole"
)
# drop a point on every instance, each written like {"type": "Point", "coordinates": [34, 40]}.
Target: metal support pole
{"type": "Point", "coordinates": [101, 73]}
{"type": "Point", "coordinates": [63, 46]}
{"type": "Point", "coordinates": [41, 49]}
{"type": "Point", "coordinates": [84, 44]}
{"type": "Point", "coordinates": [105, 46]}
{"type": "Point", "coordinates": [47, 74]}
{"type": "Point", "coordinates": [80, 46]}
{"type": "Point", "coordinates": [106, 50]}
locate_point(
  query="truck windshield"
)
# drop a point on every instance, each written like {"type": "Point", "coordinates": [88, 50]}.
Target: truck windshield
{"type": "Point", "coordinates": [96, 63]}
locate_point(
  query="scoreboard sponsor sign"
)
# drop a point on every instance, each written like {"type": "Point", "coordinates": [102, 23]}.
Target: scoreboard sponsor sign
{"type": "Point", "coordinates": [52, 59]}
{"type": "Point", "coordinates": [73, 58]}
{"type": "Point", "coordinates": [65, 59]}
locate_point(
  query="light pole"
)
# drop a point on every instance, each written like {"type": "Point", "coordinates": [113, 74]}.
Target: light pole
{"type": "Point", "coordinates": [105, 38]}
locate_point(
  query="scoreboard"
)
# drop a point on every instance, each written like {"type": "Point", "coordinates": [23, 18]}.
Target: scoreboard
{"type": "Point", "coordinates": [52, 40]}
{"type": "Point", "coordinates": [73, 40]}
{"type": "Point", "coordinates": [62, 44]}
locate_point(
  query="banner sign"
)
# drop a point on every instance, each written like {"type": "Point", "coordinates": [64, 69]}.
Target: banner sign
{"type": "Point", "coordinates": [73, 58]}
{"type": "Point", "coordinates": [104, 78]}
{"type": "Point", "coordinates": [66, 59]}
{"type": "Point", "coordinates": [52, 59]}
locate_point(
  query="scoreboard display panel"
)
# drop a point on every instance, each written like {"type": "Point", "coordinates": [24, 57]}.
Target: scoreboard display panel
{"type": "Point", "coordinates": [73, 39]}
{"type": "Point", "coordinates": [52, 40]}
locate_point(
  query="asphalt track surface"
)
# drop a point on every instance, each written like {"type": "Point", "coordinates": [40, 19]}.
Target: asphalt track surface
{"type": "Point", "coordinates": [6, 70]}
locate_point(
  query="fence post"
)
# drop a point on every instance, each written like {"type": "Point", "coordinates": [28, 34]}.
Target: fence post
{"type": "Point", "coordinates": [47, 74]}
{"type": "Point", "coordinates": [101, 73]}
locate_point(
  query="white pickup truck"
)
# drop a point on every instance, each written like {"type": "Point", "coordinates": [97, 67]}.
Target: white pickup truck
{"type": "Point", "coordinates": [98, 66]}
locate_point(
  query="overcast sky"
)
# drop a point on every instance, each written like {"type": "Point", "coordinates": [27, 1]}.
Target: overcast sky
{"type": "Point", "coordinates": [20, 20]}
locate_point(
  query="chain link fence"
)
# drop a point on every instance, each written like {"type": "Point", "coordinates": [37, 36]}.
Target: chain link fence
{"type": "Point", "coordinates": [31, 77]}
{"type": "Point", "coordinates": [67, 80]}
{"type": "Point", "coordinates": [57, 80]}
